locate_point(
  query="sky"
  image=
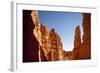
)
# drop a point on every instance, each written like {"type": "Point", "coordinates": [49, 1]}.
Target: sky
{"type": "Point", "coordinates": [64, 24]}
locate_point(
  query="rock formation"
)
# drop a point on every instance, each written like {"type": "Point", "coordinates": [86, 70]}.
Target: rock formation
{"type": "Point", "coordinates": [77, 43]}
{"type": "Point", "coordinates": [38, 32]}
{"type": "Point", "coordinates": [56, 45]}
{"type": "Point", "coordinates": [30, 43]}
{"type": "Point", "coordinates": [40, 44]}
{"type": "Point", "coordinates": [82, 48]}
{"type": "Point", "coordinates": [85, 49]}
{"type": "Point", "coordinates": [67, 55]}
{"type": "Point", "coordinates": [50, 45]}
{"type": "Point", "coordinates": [45, 40]}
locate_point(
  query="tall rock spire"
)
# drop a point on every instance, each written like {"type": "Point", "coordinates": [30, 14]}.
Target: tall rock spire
{"type": "Point", "coordinates": [85, 49]}
{"type": "Point", "coordinates": [77, 43]}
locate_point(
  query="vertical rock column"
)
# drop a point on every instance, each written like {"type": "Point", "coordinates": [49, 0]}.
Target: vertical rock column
{"type": "Point", "coordinates": [77, 43]}
{"type": "Point", "coordinates": [85, 49]}
{"type": "Point", "coordinates": [37, 33]}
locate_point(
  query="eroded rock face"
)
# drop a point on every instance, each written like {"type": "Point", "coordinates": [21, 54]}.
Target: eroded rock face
{"type": "Point", "coordinates": [85, 49]}
{"type": "Point", "coordinates": [56, 45]}
{"type": "Point", "coordinates": [77, 43]}
{"type": "Point", "coordinates": [40, 44]}
{"type": "Point", "coordinates": [68, 55]}
{"type": "Point", "coordinates": [82, 50]}
{"type": "Point", "coordinates": [49, 41]}
{"type": "Point", "coordinates": [30, 43]}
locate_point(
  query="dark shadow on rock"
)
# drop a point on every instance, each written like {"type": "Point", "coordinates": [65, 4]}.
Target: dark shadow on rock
{"type": "Point", "coordinates": [30, 43]}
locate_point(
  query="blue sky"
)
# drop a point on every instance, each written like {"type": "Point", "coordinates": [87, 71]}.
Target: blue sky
{"type": "Point", "coordinates": [64, 24]}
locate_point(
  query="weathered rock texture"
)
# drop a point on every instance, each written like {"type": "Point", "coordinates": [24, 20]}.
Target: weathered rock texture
{"type": "Point", "coordinates": [85, 49]}
{"type": "Point", "coordinates": [77, 43]}
{"type": "Point", "coordinates": [82, 48]}
{"type": "Point", "coordinates": [50, 45]}
{"type": "Point", "coordinates": [56, 45]}
{"type": "Point", "coordinates": [68, 55]}
{"type": "Point", "coordinates": [38, 34]}
{"type": "Point", "coordinates": [40, 44]}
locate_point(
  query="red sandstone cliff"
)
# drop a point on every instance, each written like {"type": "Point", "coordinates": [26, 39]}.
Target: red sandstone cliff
{"type": "Point", "coordinates": [49, 41]}
{"type": "Point", "coordinates": [40, 44]}
{"type": "Point", "coordinates": [85, 49]}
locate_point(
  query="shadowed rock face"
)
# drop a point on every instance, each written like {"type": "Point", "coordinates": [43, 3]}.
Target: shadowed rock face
{"type": "Point", "coordinates": [77, 43]}
{"type": "Point", "coordinates": [85, 49]}
{"type": "Point", "coordinates": [30, 43]}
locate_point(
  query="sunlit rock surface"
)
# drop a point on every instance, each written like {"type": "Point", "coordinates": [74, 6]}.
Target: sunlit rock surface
{"type": "Point", "coordinates": [77, 43]}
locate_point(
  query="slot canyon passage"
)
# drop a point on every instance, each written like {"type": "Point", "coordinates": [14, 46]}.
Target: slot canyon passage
{"type": "Point", "coordinates": [41, 44]}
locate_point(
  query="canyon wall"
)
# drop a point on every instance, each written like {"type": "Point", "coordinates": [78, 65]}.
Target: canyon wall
{"type": "Point", "coordinates": [49, 41]}
{"type": "Point", "coordinates": [41, 44]}
{"type": "Point", "coordinates": [30, 43]}
{"type": "Point", "coordinates": [85, 49]}
{"type": "Point", "coordinates": [82, 47]}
